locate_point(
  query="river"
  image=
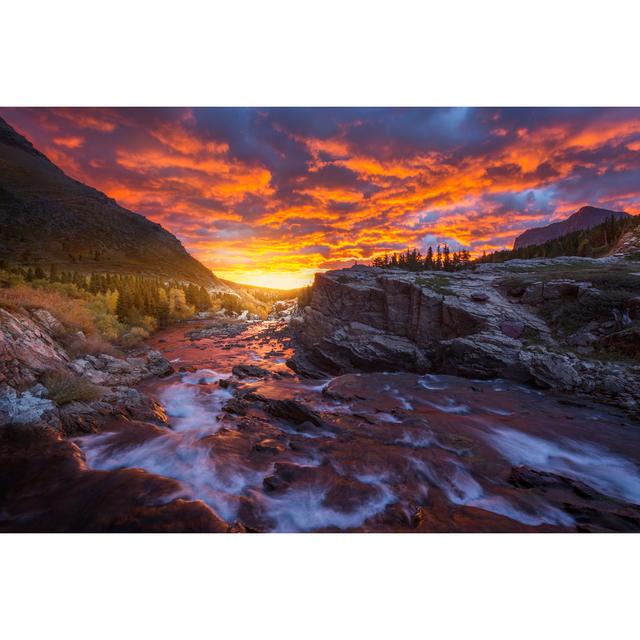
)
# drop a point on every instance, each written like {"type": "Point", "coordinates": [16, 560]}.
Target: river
{"type": "Point", "coordinates": [389, 452]}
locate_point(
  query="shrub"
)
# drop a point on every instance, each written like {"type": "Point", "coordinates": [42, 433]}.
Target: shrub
{"type": "Point", "coordinates": [73, 314]}
{"type": "Point", "coordinates": [134, 337]}
{"type": "Point", "coordinates": [92, 345]}
{"type": "Point", "coordinates": [105, 319]}
{"type": "Point", "coordinates": [65, 387]}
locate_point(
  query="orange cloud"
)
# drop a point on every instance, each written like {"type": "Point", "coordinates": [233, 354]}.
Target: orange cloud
{"type": "Point", "coordinates": [253, 200]}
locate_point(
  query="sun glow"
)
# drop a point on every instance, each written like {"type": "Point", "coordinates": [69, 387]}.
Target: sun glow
{"type": "Point", "coordinates": [273, 197]}
{"type": "Point", "coordinates": [268, 278]}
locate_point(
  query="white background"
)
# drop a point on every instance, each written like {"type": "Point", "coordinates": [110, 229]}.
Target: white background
{"type": "Point", "coordinates": [319, 53]}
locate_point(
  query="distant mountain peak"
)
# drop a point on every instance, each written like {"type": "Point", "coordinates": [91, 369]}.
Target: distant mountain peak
{"type": "Point", "coordinates": [586, 217]}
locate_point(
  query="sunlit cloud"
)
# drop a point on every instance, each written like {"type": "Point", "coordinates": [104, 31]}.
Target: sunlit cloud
{"type": "Point", "coordinates": [271, 196]}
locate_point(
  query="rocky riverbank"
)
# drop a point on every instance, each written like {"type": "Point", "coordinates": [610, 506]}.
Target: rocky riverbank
{"type": "Point", "coordinates": [567, 324]}
{"type": "Point", "coordinates": [208, 429]}
{"type": "Point", "coordinates": [84, 391]}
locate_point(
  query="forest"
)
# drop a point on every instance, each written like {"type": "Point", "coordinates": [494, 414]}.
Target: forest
{"type": "Point", "coordinates": [591, 243]}
{"type": "Point", "coordinates": [442, 259]}
{"type": "Point", "coordinates": [121, 308]}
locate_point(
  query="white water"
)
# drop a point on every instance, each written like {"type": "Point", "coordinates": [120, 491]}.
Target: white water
{"type": "Point", "coordinates": [596, 467]}
{"type": "Point", "coordinates": [418, 418]}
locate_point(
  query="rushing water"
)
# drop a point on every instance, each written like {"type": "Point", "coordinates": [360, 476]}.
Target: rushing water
{"type": "Point", "coordinates": [391, 452]}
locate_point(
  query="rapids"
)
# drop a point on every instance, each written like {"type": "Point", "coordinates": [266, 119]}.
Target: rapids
{"type": "Point", "coordinates": [380, 452]}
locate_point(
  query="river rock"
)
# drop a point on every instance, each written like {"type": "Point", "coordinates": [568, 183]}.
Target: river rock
{"type": "Point", "coordinates": [293, 411]}
{"type": "Point", "coordinates": [108, 370]}
{"type": "Point", "coordinates": [23, 408]}
{"type": "Point", "coordinates": [52, 490]}
{"type": "Point", "coordinates": [250, 371]}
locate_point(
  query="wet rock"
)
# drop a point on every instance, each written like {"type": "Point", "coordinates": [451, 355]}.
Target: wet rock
{"type": "Point", "coordinates": [134, 404]}
{"type": "Point", "coordinates": [250, 371]}
{"type": "Point", "coordinates": [269, 445]}
{"type": "Point", "coordinates": [293, 411]}
{"type": "Point", "coordinates": [287, 473]}
{"type": "Point", "coordinates": [479, 296]}
{"type": "Point", "coordinates": [308, 368]}
{"type": "Point", "coordinates": [347, 494]}
{"type": "Point", "coordinates": [51, 490]}
{"type": "Point", "coordinates": [236, 406]}
{"type": "Point", "coordinates": [220, 327]}
{"type": "Point", "coordinates": [368, 319]}
{"type": "Point", "coordinates": [591, 510]}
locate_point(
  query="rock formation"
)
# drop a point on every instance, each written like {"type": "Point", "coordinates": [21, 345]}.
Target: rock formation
{"type": "Point", "coordinates": [476, 324]}
{"type": "Point", "coordinates": [29, 351]}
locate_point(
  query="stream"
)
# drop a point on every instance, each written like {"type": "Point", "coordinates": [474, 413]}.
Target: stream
{"type": "Point", "coordinates": [374, 451]}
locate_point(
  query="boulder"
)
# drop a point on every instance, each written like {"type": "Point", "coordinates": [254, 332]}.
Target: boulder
{"type": "Point", "coordinates": [250, 371]}
{"type": "Point", "coordinates": [110, 371]}
{"type": "Point", "coordinates": [23, 408]}
{"type": "Point", "coordinates": [27, 349]}
{"type": "Point", "coordinates": [292, 411]}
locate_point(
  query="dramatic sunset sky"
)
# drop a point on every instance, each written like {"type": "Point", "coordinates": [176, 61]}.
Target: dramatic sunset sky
{"type": "Point", "coordinates": [270, 196]}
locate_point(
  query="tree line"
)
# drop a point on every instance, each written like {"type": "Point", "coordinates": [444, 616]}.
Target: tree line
{"type": "Point", "coordinates": [133, 299]}
{"type": "Point", "coordinates": [442, 259]}
{"type": "Point", "coordinates": [588, 243]}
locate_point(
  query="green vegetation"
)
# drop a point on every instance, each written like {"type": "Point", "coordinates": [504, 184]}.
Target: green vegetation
{"type": "Point", "coordinates": [614, 287]}
{"type": "Point", "coordinates": [64, 387]}
{"type": "Point", "coordinates": [438, 283]}
{"type": "Point", "coordinates": [588, 243]}
{"type": "Point", "coordinates": [122, 309]}
{"type": "Point", "coordinates": [412, 260]}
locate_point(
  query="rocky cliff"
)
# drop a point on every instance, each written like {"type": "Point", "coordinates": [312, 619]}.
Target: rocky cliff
{"type": "Point", "coordinates": [499, 321]}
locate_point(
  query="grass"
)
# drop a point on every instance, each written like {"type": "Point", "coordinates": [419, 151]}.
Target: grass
{"type": "Point", "coordinates": [615, 284]}
{"type": "Point", "coordinates": [64, 387]}
{"type": "Point", "coordinates": [437, 283]}
{"type": "Point", "coordinates": [91, 345]}
{"type": "Point", "coordinates": [71, 313]}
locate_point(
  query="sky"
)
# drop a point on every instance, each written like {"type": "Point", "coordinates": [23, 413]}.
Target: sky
{"type": "Point", "coordinates": [270, 196]}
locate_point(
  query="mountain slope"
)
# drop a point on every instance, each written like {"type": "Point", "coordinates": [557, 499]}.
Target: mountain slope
{"type": "Point", "coordinates": [584, 218]}
{"type": "Point", "coordinates": [47, 218]}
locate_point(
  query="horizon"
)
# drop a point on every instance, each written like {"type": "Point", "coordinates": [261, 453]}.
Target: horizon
{"type": "Point", "coordinates": [269, 197]}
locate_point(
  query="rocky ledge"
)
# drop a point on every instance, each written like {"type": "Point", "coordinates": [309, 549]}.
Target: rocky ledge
{"type": "Point", "coordinates": [90, 389]}
{"type": "Point", "coordinates": [510, 320]}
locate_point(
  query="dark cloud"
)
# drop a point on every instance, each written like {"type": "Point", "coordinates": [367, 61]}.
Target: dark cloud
{"type": "Point", "coordinates": [310, 188]}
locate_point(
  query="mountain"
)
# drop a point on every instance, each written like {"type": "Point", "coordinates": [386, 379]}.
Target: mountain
{"type": "Point", "coordinates": [584, 218]}
{"type": "Point", "coordinates": [48, 218]}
